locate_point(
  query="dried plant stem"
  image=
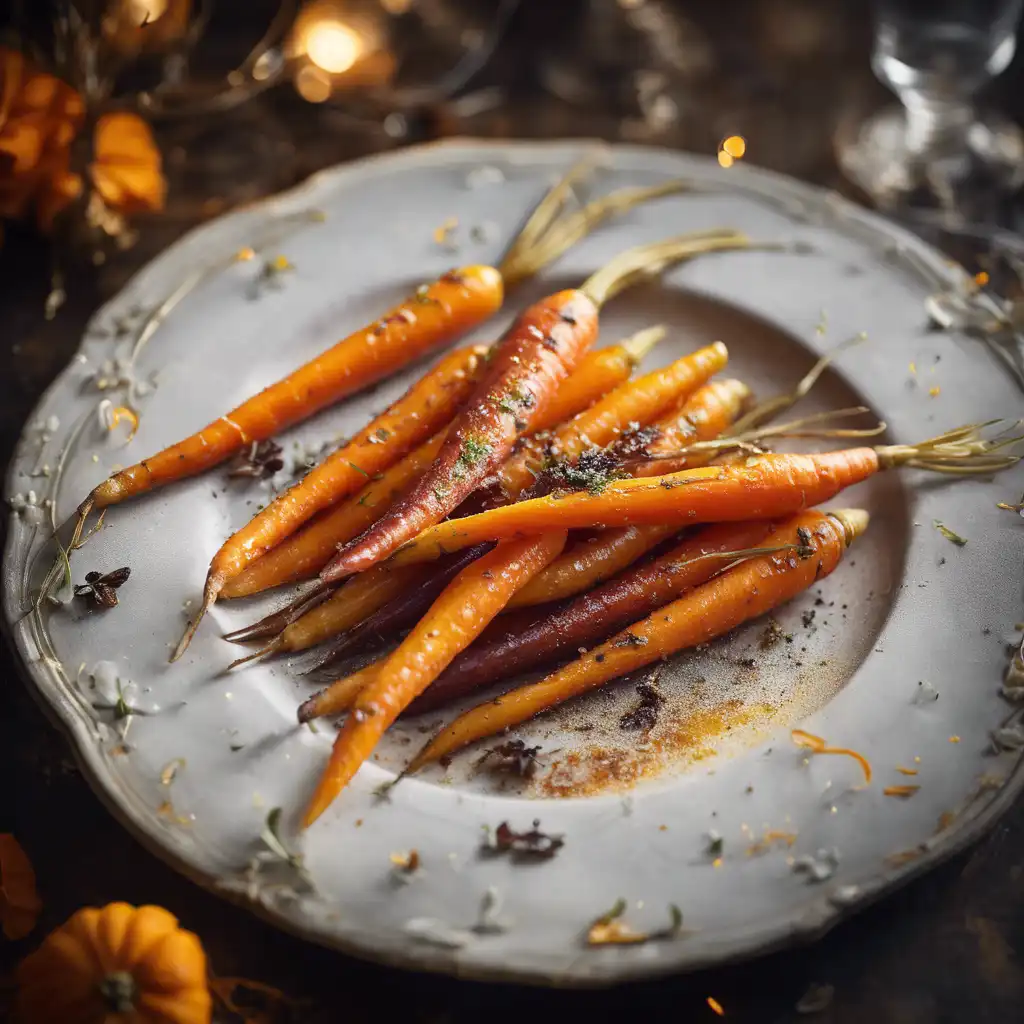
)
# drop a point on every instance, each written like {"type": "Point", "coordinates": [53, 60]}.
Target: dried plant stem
{"type": "Point", "coordinates": [771, 407]}
{"type": "Point", "coordinates": [647, 261]}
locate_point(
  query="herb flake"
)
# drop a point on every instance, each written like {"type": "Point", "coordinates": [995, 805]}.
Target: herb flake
{"type": "Point", "coordinates": [950, 535]}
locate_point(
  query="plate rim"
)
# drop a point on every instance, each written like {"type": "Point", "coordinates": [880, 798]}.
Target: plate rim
{"type": "Point", "coordinates": [823, 911]}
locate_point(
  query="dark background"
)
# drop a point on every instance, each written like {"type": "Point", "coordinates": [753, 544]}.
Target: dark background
{"type": "Point", "coordinates": [787, 74]}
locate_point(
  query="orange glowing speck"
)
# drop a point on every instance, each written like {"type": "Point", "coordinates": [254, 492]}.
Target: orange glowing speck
{"type": "Point", "coordinates": [735, 146]}
{"type": "Point", "coordinates": [724, 159]}
{"type": "Point", "coordinates": [716, 1006]}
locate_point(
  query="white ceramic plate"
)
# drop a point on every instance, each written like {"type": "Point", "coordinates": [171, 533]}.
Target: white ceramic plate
{"type": "Point", "coordinates": [907, 607]}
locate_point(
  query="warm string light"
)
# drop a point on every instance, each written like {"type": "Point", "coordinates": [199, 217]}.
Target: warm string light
{"type": "Point", "coordinates": [732, 149]}
{"type": "Point", "coordinates": [333, 46]}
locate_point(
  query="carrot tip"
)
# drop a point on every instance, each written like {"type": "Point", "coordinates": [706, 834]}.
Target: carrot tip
{"type": "Point", "coordinates": [307, 710]}
{"type": "Point", "coordinates": [210, 592]}
{"type": "Point", "coordinates": [274, 623]}
{"type": "Point", "coordinates": [272, 648]}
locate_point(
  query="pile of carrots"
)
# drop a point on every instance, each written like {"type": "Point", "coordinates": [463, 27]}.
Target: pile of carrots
{"type": "Point", "coordinates": [454, 517]}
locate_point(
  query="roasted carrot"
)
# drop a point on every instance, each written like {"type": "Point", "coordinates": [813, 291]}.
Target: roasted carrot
{"type": "Point", "coordinates": [392, 619]}
{"type": "Point", "coordinates": [528, 366]}
{"type": "Point", "coordinates": [704, 415]}
{"type": "Point", "coordinates": [345, 608]}
{"type": "Point", "coordinates": [763, 487]}
{"type": "Point", "coordinates": [636, 402]}
{"type": "Point", "coordinates": [309, 550]}
{"type": "Point", "coordinates": [468, 603]}
{"type": "Point", "coordinates": [434, 315]}
{"type": "Point", "coordinates": [707, 415]}
{"type": "Point", "coordinates": [744, 592]}
{"type": "Point", "coordinates": [427, 406]}
{"type": "Point", "coordinates": [533, 637]}
{"type": "Point", "coordinates": [579, 391]}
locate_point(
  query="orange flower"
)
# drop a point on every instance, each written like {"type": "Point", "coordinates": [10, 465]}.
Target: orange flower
{"type": "Point", "coordinates": [19, 902]}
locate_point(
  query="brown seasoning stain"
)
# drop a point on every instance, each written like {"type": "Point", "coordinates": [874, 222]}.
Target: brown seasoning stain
{"type": "Point", "coordinates": [684, 738]}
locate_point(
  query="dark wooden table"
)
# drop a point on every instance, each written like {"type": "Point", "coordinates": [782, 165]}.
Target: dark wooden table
{"type": "Point", "coordinates": [944, 949]}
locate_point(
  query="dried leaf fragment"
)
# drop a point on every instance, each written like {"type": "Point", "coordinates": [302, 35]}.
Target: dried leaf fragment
{"type": "Point", "coordinates": [262, 460]}
{"type": "Point", "coordinates": [529, 845]}
{"type": "Point", "coordinates": [101, 588]}
{"type": "Point", "coordinates": [513, 757]}
{"type": "Point", "coordinates": [20, 904]}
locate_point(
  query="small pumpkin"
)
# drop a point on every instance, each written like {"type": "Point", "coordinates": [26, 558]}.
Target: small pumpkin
{"type": "Point", "coordinates": [126, 171]}
{"type": "Point", "coordinates": [118, 964]}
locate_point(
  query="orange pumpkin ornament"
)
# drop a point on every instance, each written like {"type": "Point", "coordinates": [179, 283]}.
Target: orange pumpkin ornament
{"type": "Point", "coordinates": [19, 901]}
{"type": "Point", "coordinates": [126, 171]}
{"type": "Point", "coordinates": [39, 115]}
{"type": "Point", "coordinates": [115, 965]}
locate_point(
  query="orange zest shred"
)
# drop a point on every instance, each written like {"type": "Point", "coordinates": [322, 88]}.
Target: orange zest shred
{"type": "Point", "coordinates": [716, 1006]}
{"type": "Point", "coordinates": [981, 278]}
{"type": "Point", "coordinates": [442, 231]}
{"type": "Point", "coordinates": [119, 413]}
{"type": "Point", "coordinates": [902, 791]}
{"type": "Point", "coordinates": [906, 771]}
{"type": "Point", "coordinates": [819, 746]}
{"type": "Point", "coordinates": [771, 837]}
{"type": "Point", "coordinates": [20, 904]}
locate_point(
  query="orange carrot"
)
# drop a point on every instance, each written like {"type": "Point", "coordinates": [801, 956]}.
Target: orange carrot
{"type": "Point", "coordinates": [746, 591]}
{"type": "Point", "coordinates": [309, 550]}
{"type": "Point", "coordinates": [429, 404]}
{"type": "Point", "coordinates": [468, 603]}
{"type": "Point", "coordinates": [530, 363]}
{"type": "Point", "coordinates": [346, 607]}
{"type": "Point", "coordinates": [636, 402]}
{"type": "Point", "coordinates": [763, 487]}
{"type": "Point", "coordinates": [703, 416]}
{"type": "Point", "coordinates": [536, 637]}
{"type": "Point", "coordinates": [434, 315]}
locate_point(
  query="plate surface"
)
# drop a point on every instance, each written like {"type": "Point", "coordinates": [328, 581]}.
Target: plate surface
{"type": "Point", "coordinates": [907, 616]}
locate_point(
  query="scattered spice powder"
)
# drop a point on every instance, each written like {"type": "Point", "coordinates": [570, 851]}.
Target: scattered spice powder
{"type": "Point", "coordinates": [819, 746]}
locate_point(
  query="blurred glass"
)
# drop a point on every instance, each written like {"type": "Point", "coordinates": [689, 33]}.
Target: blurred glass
{"type": "Point", "coordinates": [938, 149]}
